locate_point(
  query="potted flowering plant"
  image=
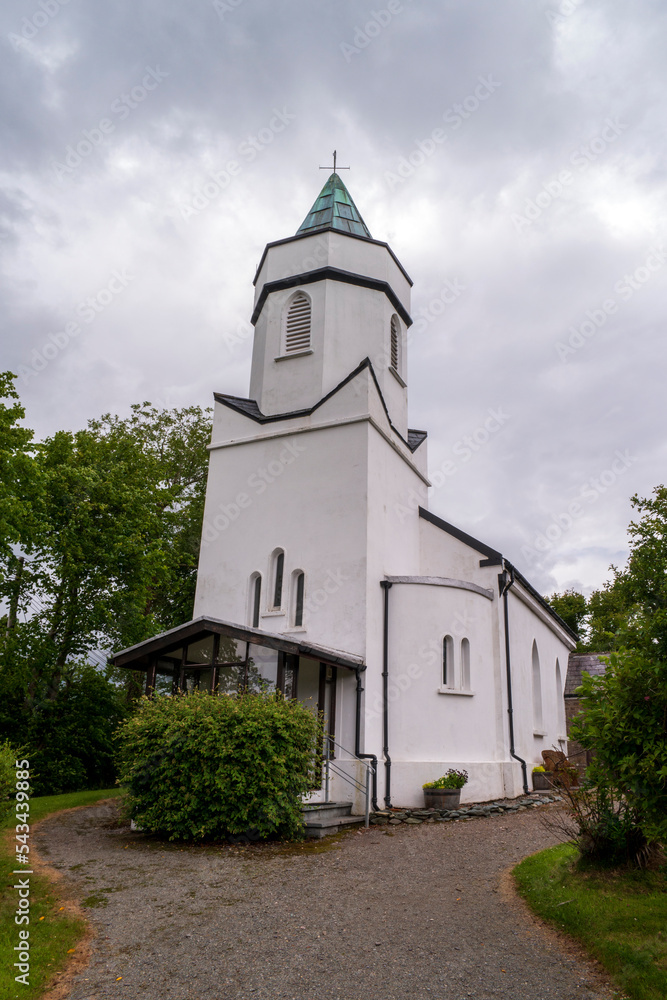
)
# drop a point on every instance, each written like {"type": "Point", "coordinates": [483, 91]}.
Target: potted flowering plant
{"type": "Point", "coordinates": [445, 792]}
{"type": "Point", "coordinates": [541, 781]}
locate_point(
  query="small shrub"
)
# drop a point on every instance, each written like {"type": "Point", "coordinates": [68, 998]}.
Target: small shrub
{"type": "Point", "coordinates": [205, 766]}
{"type": "Point", "coordinates": [453, 779]}
{"type": "Point", "coordinates": [538, 770]}
{"type": "Point", "coordinates": [603, 824]}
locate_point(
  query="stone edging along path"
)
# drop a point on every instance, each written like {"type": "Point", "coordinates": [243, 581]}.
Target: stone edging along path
{"type": "Point", "coordinates": [394, 817]}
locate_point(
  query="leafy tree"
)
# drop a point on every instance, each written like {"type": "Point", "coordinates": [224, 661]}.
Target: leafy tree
{"type": "Point", "coordinates": [19, 492]}
{"type": "Point", "coordinates": [113, 555]}
{"type": "Point", "coordinates": [644, 581]}
{"type": "Point", "coordinates": [607, 616]}
{"type": "Point", "coordinates": [72, 735]}
{"type": "Point", "coordinates": [571, 606]}
{"type": "Point", "coordinates": [624, 720]}
{"type": "Point", "coordinates": [99, 538]}
{"type": "Point", "coordinates": [630, 611]}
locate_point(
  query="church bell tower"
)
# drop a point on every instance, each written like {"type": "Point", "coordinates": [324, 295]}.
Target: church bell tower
{"type": "Point", "coordinates": [326, 299]}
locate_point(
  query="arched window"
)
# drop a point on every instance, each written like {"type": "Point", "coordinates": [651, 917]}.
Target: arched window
{"type": "Point", "coordinates": [297, 324]}
{"type": "Point", "coordinates": [448, 661]}
{"type": "Point", "coordinates": [298, 581]}
{"type": "Point", "coordinates": [395, 344]}
{"type": "Point", "coordinates": [277, 571]}
{"type": "Point", "coordinates": [537, 690]}
{"type": "Point", "coordinates": [255, 598]}
{"type": "Point", "coordinates": [560, 702]}
{"type": "Point", "coordinates": [465, 665]}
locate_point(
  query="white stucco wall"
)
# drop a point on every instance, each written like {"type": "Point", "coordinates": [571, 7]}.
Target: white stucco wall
{"type": "Point", "coordinates": [318, 519]}
{"type": "Point", "coordinates": [525, 628]}
{"type": "Point", "coordinates": [338, 492]}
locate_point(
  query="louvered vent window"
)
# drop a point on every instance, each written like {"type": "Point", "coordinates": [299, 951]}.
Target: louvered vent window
{"type": "Point", "coordinates": [395, 333]}
{"type": "Point", "coordinates": [297, 326]}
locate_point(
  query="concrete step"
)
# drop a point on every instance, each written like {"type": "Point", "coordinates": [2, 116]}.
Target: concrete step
{"type": "Point", "coordinates": [324, 828]}
{"type": "Point", "coordinates": [326, 810]}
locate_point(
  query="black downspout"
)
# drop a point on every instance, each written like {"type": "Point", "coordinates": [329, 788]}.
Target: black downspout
{"type": "Point", "coordinates": [386, 585]}
{"type": "Point", "coordinates": [505, 581]}
{"type": "Point", "coordinates": [357, 744]}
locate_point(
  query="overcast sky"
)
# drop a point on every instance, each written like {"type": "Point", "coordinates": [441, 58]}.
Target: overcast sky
{"type": "Point", "coordinates": [512, 152]}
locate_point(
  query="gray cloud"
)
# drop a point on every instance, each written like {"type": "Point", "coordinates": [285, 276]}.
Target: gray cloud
{"type": "Point", "coordinates": [218, 78]}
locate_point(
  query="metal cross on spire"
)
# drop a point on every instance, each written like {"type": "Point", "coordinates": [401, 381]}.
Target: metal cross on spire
{"type": "Point", "coordinates": [334, 164]}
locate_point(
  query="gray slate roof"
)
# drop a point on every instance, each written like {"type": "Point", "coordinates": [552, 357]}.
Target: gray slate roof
{"type": "Point", "coordinates": [582, 663]}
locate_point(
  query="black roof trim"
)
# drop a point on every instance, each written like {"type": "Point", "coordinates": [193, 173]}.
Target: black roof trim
{"type": "Point", "coordinates": [474, 543]}
{"type": "Point", "coordinates": [331, 274]}
{"type": "Point", "coordinates": [541, 600]}
{"type": "Point", "coordinates": [249, 407]}
{"type": "Point", "coordinates": [494, 558]}
{"type": "Point", "coordinates": [338, 232]}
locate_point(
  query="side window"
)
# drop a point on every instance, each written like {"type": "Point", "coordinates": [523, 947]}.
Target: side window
{"type": "Point", "coordinates": [448, 662]}
{"type": "Point", "coordinates": [255, 599]}
{"type": "Point", "coordinates": [296, 337]}
{"type": "Point", "coordinates": [465, 664]}
{"type": "Point", "coordinates": [537, 689]}
{"type": "Point", "coordinates": [298, 583]}
{"type": "Point", "coordinates": [277, 572]}
{"type": "Point", "coordinates": [560, 702]}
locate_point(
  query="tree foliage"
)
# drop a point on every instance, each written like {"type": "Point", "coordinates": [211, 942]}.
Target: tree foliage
{"type": "Point", "coordinates": [18, 475]}
{"type": "Point", "coordinates": [624, 720]}
{"type": "Point", "coordinates": [209, 766]}
{"type": "Point", "coordinates": [630, 610]}
{"type": "Point", "coordinates": [71, 735]}
{"type": "Point", "coordinates": [99, 540]}
{"type": "Point", "coordinates": [571, 606]}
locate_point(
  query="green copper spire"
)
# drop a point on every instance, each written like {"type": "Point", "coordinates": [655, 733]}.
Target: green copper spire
{"type": "Point", "coordinates": [334, 209]}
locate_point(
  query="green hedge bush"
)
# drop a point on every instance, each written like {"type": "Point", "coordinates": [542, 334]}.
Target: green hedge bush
{"type": "Point", "coordinates": [202, 766]}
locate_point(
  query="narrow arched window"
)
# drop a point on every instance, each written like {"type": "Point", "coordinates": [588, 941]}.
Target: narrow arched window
{"type": "Point", "coordinates": [560, 702]}
{"type": "Point", "coordinates": [537, 690]}
{"type": "Point", "coordinates": [277, 578]}
{"type": "Point", "coordinates": [448, 661]}
{"type": "Point", "coordinates": [465, 665]}
{"type": "Point", "coordinates": [395, 344]}
{"type": "Point", "coordinates": [297, 324]}
{"type": "Point", "coordinates": [255, 598]}
{"type": "Point", "coordinates": [299, 582]}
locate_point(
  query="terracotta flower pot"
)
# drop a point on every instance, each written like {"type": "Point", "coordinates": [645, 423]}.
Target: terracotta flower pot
{"type": "Point", "coordinates": [442, 798]}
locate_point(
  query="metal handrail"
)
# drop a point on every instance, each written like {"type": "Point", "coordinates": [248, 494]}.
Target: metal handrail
{"type": "Point", "coordinates": [329, 766]}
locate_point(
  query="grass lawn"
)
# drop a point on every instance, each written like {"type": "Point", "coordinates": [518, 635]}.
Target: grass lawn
{"type": "Point", "coordinates": [620, 917]}
{"type": "Point", "coordinates": [52, 932]}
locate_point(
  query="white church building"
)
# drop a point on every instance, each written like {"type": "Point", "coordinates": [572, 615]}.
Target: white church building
{"type": "Point", "coordinates": [424, 648]}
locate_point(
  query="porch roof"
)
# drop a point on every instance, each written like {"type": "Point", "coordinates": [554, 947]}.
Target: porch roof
{"type": "Point", "coordinates": [141, 656]}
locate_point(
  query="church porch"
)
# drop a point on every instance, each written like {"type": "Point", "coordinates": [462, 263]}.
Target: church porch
{"type": "Point", "coordinates": [222, 657]}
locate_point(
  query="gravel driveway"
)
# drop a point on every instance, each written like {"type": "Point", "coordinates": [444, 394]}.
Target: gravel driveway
{"type": "Point", "coordinates": [413, 912]}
